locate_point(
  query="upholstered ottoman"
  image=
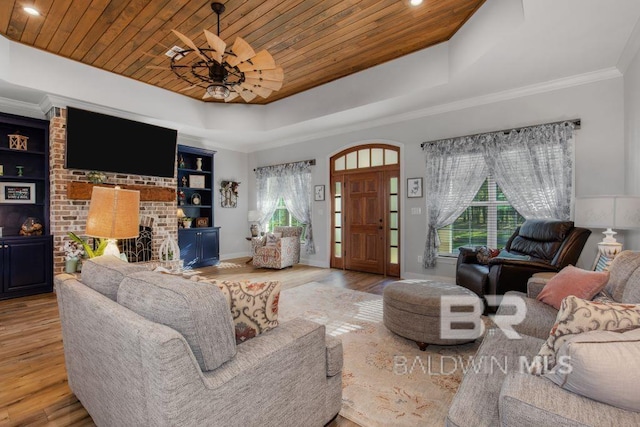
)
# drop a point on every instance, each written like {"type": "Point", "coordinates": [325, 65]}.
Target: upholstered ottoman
{"type": "Point", "coordinates": [411, 309]}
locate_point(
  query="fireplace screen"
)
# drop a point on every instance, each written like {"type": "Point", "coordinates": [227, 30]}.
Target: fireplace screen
{"type": "Point", "coordinates": [139, 249]}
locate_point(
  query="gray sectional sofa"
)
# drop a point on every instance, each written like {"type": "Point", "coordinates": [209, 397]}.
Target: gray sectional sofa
{"type": "Point", "coordinates": [128, 368]}
{"type": "Point", "coordinates": [499, 393]}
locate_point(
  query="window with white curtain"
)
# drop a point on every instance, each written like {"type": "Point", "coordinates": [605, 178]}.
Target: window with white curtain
{"type": "Point", "coordinates": [488, 221]}
{"type": "Point", "coordinates": [477, 186]}
{"type": "Point", "coordinates": [282, 217]}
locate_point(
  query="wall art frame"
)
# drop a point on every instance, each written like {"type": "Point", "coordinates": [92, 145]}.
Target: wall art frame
{"type": "Point", "coordinates": [18, 192]}
{"type": "Point", "coordinates": [414, 187]}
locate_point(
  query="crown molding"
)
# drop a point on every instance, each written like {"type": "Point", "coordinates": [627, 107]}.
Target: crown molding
{"type": "Point", "coordinates": [21, 108]}
{"type": "Point", "coordinates": [538, 88]}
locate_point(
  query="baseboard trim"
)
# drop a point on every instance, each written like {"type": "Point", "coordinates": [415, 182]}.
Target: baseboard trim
{"type": "Point", "coordinates": [418, 276]}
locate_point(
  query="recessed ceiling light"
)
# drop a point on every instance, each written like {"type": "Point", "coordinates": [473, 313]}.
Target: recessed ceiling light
{"type": "Point", "coordinates": [31, 11]}
{"type": "Point", "coordinates": [416, 2]}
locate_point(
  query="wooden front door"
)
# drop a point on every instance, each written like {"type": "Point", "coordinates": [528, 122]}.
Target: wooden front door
{"type": "Point", "coordinates": [364, 222]}
{"type": "Point", "coordinates": [365, 209]}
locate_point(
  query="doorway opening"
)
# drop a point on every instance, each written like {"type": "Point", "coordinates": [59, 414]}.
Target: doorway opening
{"type": "Point", "coordinates": [365, 206]}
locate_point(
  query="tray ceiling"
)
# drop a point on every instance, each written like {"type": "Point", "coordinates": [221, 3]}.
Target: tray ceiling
{"type": "Point", "coordinates": [315, 41]}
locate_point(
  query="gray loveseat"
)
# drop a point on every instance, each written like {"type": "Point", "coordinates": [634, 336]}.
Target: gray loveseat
{"type": "Point", "coordinates": [493, 397]}
{"type": "Point", "coordinates": [129, 369]}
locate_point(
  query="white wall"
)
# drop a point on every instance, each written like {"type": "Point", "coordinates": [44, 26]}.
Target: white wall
{"type": "Point", "coordinates": [632, 128]}
{"type": "Point", "coordinates": [599, 154]}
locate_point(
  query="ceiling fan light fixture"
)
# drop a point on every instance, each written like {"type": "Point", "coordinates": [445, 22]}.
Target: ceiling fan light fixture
{"type": "Point", "coordinates": [226, 73]}
{"type": "Point", "coordinates": [218, 91]}
{"type": "Point", "coordinates": [416, 2]}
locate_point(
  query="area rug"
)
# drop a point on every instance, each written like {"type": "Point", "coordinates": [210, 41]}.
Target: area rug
{"type": "Point", "coordinates": [387, 380]}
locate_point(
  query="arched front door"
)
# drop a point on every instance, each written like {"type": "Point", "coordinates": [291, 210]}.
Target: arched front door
{"type": "Point", "coordinates": [365, 206]}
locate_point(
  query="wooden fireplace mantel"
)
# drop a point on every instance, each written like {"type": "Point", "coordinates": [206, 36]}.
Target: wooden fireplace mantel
{"type": "Point", "coordinates": [77, 190]}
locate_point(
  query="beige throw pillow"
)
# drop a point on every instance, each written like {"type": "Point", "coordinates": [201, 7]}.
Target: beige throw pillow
{"type": "Point", "coordinates": [601, 365]}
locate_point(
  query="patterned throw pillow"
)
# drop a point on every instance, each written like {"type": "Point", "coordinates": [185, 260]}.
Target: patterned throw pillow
{"type": "Point", "coordinates": [254, 305]}
{"type": "Point", "coordinates": [576, 316]}
{"type": "Point", "coordinates": [484, 254]}
{"type": "Point", "coordinates": [272, 239]}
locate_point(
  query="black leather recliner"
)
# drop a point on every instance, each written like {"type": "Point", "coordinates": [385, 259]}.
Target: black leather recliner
{"type": "Point", "coordinates": [550, 245]}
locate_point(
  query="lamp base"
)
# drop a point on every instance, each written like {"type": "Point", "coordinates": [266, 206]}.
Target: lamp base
{"type": "Point", "coordinates": [254, 230]}
{"type": "Point", "coordinates": [609, 250]}
{"type": "Point", "coordinates": [112, 248]}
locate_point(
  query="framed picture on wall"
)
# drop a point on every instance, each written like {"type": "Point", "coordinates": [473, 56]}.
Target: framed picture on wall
{"type": "Point", "coordinates": [17, 192]}
{"type": "Point", "coordinates": [318, 193]}
{"type": "Point", "coordinates": [414, 187]}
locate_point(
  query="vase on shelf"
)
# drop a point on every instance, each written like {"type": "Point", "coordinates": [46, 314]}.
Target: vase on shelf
{"type": "Point", "coordinates": [70, 265]}
{"type": "Point", "coordinates": [198, 163]}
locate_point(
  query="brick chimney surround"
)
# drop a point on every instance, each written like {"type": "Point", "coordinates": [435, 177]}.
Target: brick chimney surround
{"type": "Point", "coordinates": [70, 213]}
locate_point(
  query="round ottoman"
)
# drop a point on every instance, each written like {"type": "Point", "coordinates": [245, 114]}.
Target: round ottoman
{"type": "Point", "coordinates": [411, 309]}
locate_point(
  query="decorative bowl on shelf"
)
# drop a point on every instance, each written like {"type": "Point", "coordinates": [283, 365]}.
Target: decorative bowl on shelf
{"type": "Point", "coordinates": [31, 227]}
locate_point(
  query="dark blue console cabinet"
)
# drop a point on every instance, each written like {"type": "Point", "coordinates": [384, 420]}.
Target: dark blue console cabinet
{"type": "Point", "coordinates": [198, 237]}
{"type": "Point", "coordinates": [26, 251]}
{"type": "Point", "coordinates": [26, 266]}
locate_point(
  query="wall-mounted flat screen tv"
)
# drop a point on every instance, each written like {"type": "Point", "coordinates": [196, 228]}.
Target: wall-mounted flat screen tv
{"type": "Point", "coordinates": [99, 142]}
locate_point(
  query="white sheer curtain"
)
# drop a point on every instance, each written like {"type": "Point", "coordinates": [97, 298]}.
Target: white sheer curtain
{"type": "Point", "coordinates": [533, 167]}
{"type": "Point", "coordinates": [455, 170]}
{"type": "Point", "coordinates": [292, 182]}
{"type": "Point", "coordinates": [298, 197]}
{"type": "Point", "coordinates": [268, 193]}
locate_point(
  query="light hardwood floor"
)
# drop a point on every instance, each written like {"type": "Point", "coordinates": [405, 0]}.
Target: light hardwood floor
{"type": "Point", "coordinates": [33, 378]}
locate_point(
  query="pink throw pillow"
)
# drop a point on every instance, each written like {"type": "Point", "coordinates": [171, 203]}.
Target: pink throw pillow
{"type": "Point", "coordinates": [571, 280]}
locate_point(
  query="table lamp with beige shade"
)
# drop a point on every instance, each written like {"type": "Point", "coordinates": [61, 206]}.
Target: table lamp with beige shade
{"type": "Point", "coordinates": [620, 212]}
{"type": "Point", "coordinates": [113, 214]}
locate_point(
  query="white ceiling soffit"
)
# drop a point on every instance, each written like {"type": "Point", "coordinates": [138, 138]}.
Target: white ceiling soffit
{"type": "Point", "coordinates": [506, 45]}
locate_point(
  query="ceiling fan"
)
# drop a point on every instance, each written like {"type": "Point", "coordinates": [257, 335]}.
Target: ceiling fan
{"type": "Point", "coordinates": [225, 73]}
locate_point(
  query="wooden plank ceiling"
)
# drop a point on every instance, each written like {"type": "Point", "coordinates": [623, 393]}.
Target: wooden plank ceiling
{"type": "Point", "coordinates": [314, 41]}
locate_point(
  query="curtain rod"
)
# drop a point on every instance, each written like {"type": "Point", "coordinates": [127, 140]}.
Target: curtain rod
{"type": "Point", "coordinates": [576, 123]}
{"type": "Point", "coordinates": [312, 162]}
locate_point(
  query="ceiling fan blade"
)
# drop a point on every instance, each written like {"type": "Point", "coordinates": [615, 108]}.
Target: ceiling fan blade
{"type": "Point", "coordinates": [186, 40]}
{"type": "Point", "coordinates": [184, 89]}
{"type": "Point", "coordinates": [258, 90]}
{"type": "Point", "coordinates": [247, 95]}
{"type": "Point", "coordinates": [216, 44]}
{"type": "Point", "coordinates": [262, 61]}
{"type": "Point", "coordinates": [264, 83]}
{"type": "Point", "coordinates": [242, 52]}
{"type": "Point", "coordinates": [276, 75]}
{"type": "Point", "coordinates": [157, 67]}
{"type": "Point", "coordinates": [231, 97]}
{"type": "Point", "coordinates": [206, 95]}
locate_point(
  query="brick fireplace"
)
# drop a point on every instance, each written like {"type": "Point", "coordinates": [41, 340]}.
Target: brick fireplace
{"type": "Point", "coordinates": [70, 214]}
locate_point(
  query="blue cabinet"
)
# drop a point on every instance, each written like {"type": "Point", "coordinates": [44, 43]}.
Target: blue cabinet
{"type": "Point", "coordinates": [26, 253]}
{"type": "Point", "coordinates": [199, 247]}
{"type": "Point", "coordinates": [26, 266]}
{"type": "Point", "coordinates": [199, 242]}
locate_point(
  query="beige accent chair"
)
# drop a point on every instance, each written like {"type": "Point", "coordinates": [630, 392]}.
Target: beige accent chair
{"type": "Point", "coordinates": [285, 253]}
